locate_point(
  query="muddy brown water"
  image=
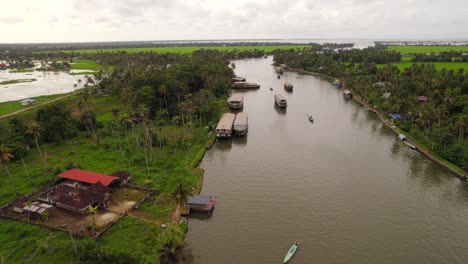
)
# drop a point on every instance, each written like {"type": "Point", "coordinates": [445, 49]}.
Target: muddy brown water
{"type": "Point", "coordinates": [345, 186]}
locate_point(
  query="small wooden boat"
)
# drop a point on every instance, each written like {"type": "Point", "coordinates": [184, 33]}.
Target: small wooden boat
{"type": "Point", "coordinates": [279, 76]}
{"type": "Point", "coordinates": [291, 252]}
{"type": "Point", "coordinates": [288, 87]}
{"type": "Point", "coordinates": [271, 89]}
{"type": "Point", "coordinates": [311, 119]}
{"type": "Point", "coordinates": [409, 144]}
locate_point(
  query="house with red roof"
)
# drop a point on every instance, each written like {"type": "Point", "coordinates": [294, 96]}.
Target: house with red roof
{"type": "Point", "coordinates": [89, 177]}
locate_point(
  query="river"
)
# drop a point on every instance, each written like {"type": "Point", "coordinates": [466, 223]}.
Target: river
{"type": "Point", "coordinates": [345, 186]}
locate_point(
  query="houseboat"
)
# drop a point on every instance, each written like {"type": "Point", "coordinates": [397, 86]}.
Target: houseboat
{"type": "Point", "coordinates": [347, 94]}
{"type": "Point", "coordinates": [337, 83]}
{"type": "Point", "coordinates": [201, 203]}
{"type": "Point", "coordinates": [238, 79]}
{"type": "Point", "coordinates": [224, 127]}
{"type": "Point", "coordinates": [280, 101]}
{"type": "Point", "coordinates": [279, 70]}
{"type": "Point", "coordinates": [236, 101]}
{"type": "Point", "coordinates": [245, 85]}
{"type": "Point", "coordinates": [241, 124]}
{"type": "Point", "coordinates": [288, 87]}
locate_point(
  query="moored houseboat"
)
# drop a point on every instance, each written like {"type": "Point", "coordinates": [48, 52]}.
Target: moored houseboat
{"type": "Point", "coordinates": [347, 94]}
{"type": "Point", "coordinates": [288, 87]}
{"type": "Point", "coordinates": [241, 124]}
{"type": "Point", "coordinates": [245, 85]}
{"type": "Point", "coordinates": [200, 203]}
{"type": "Point", "coordinates": [279, 70]}
{"type": "Point", "coordinates": [224, 127]}
{"type": "Point", "coordinates": [280, 101]}
{"type": "Point", "coordinates": [236, 101]}
{"type": "Point", "coordinates": [238, 79]}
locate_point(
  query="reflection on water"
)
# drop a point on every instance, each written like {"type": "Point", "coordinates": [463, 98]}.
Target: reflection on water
{"type": "Point", "coordinates": [345, 186]}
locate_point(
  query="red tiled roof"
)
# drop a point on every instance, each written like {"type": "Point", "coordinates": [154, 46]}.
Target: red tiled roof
{"type": "Point", "coordinates": [87, 176]}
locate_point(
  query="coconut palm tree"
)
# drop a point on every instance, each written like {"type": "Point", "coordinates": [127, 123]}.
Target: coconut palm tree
{"type": "Point", "coordinates": [35, 130]}
{"type": "Point", "coordinates": [172, 240]}
{"type": "Point", "coordinates": [5, 156]}
{"type": "Point", "coordinates": [181, 192]}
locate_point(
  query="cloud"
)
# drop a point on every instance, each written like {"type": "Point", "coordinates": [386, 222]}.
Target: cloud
{"type": "Point", "coordinates": [11, 20]}
{"type": "Point", "coordinates": [107, 20]}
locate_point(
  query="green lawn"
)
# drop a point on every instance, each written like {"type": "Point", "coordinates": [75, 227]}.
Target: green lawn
{"type": "Point", "coordinates": [185, 50]}
{"type": "Point", "coordinates": [11, 106]}
{"type": "Point", "coordinates": [438, 65]}
{"type": "Point", "coordinates": [426, 49]}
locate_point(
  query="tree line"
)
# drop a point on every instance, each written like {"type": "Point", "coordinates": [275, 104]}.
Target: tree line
{"type": "Point", "coordinates": [438, 118]}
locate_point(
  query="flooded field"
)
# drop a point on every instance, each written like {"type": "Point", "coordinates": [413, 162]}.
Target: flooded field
{"type": "Point", "coordinates": [47, 83]}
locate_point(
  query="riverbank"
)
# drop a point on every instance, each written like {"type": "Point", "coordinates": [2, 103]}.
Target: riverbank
{"type": "Point", "coordinates": [457, 171]}
{"type": "Point", "coordinates": [422, 149]}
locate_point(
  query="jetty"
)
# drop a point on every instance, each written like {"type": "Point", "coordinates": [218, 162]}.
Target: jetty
{"type": "Point", "coordinates": [241, 124]}
{"type": "Point", "coordinates": [245, 85]}
{"type": "Point", "coordinates": [224, 127]}
{"type": "Point", "coordinates": [236, 101]}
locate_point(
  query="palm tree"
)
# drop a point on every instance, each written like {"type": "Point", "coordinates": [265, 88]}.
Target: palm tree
{"type": "Point", "coordinates": [35, 130]}
{"type": "Point", "coordinates": [6, 156]}
{"type": "Point", "coordinates": [181, 192]}
{"type": "Point", "coordinates": [163, 91]}
{"type": "Point", "coordinates": [172, 240]}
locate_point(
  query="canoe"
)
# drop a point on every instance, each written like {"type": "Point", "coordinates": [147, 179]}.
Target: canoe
{"type": "Point", "coordinates": [409, 144]}
{"type": "Point", "coordinates": [291, 252]}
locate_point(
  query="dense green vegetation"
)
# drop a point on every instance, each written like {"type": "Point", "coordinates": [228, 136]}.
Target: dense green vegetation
{"type": "Point", "coordinates": [18, 81]}
{"type": "Point", "coordinates": [439, 123]}
{"type": "Point", "coordinates": [426, 49]}
{"type": "Point", "coordinates": [146, 119]}
{"type": "Point", "coordinates": [189, 50]}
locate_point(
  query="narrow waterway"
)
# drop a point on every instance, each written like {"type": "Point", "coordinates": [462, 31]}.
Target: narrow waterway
{"type": "Point", "coordinates": [345, 186]}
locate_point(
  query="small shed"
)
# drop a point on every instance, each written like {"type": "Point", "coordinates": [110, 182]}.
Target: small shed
{"type": "Point", "coordinates": [386, 95]}
{"type": "Point", "coordinates": [395, 116]}
{"type": "Point", "coordinates": [422, 99]}
{"type": "Point", "coordinates": [123, 176]}
{"type": "Point", "coordinates": [27, 101]}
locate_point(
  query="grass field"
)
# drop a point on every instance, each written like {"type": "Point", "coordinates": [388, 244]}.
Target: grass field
{"type": "Point", "coordinates": [426, 49]}
{"type": "Point", "coordinates": [186, 50]}
{"type": "Point", "coordinates": [438, 65]}
{"type": "Point", "coordinates": [18, 81]}
{"type": "Point", "coordinates": [21, 70]}
{"type": "Point", "coordinates": [87, 65]}
{"type": "Point", "coordinates": [11, 106]}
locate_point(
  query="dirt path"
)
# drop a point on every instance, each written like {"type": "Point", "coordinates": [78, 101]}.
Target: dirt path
{"type": "Point", "coordinates": [34, 106]}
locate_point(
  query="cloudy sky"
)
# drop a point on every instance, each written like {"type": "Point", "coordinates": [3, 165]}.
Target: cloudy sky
{"type": "Point", "coordinates": [126, 20]}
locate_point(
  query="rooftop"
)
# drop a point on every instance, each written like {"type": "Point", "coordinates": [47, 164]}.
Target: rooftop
{"type": "Point", "coordinates": [87, 176]}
